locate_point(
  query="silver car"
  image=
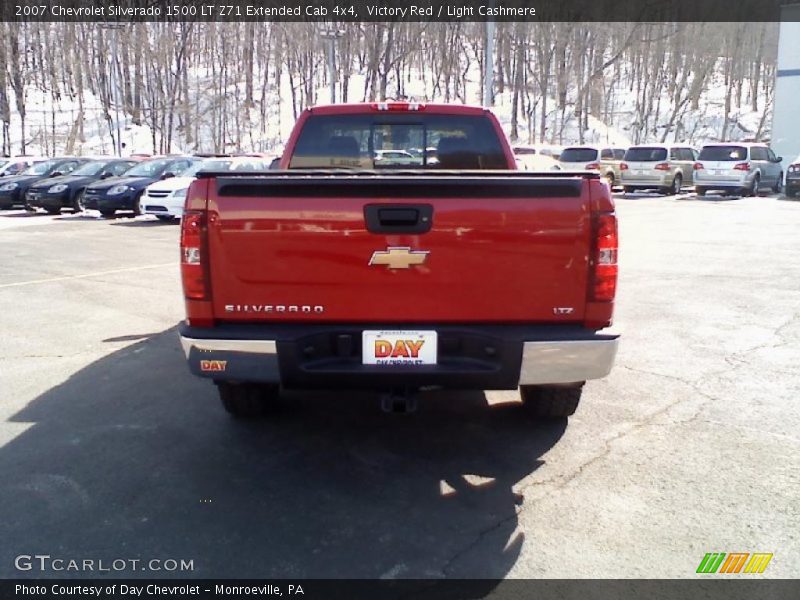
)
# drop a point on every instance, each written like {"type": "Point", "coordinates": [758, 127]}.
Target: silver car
{"type": "Point", "coordinates": [663, 167]}
{"type": "Point", "coordinates": [737, 168]}
{"type": "Point", "coordinates": [600, 159]}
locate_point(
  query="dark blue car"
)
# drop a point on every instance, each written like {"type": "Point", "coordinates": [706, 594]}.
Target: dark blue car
{"type": "Point", "coordinates": [123, 193]}
{"type": "Point", "coordinates": [13, 189]}
{"type": "Point", "coordinates": [67, 191]}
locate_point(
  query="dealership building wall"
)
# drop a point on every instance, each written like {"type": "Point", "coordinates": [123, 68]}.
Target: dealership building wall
{"type": "Point", "coordinates": [786, 113]}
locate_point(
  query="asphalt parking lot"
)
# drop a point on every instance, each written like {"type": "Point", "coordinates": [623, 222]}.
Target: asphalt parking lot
{"type": "Point", "coordinates": [110, 449]}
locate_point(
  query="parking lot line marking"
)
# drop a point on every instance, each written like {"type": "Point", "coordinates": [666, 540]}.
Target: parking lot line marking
{"type": "Point", "coordinates": [85, 275]}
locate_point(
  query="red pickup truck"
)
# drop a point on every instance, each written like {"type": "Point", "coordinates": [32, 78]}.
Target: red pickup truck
{"type": "Point", "coordinates": [397, 248]}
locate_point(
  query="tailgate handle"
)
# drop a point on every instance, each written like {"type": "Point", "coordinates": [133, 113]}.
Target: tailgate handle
{"type": "Point", "coordinates": [404, 218]}
{"type": "Point", "coordinates": [394, 217]}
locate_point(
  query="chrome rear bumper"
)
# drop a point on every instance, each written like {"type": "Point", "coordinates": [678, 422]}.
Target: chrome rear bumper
{"type": "Point", "coordinates": [543, 362]}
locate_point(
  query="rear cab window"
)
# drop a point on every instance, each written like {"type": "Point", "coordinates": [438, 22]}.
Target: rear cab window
{"type": "Point", "coordinates": [723, 153]}
{"type": "Point", "coordinates": [579, 155]}
{"type": "Point", "coordinates": [416, 141]}
{"type": "Point", "coordinates": [645, 154]}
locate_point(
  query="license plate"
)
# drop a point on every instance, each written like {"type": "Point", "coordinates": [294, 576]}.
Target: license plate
{"type": "Point", "coordinates": [399, 347]}
{"type": "Point", "coordinates": [640, 172]}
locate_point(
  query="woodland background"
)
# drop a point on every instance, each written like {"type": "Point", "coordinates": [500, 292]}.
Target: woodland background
{"type": "Point", "coordinates": [217, 87]}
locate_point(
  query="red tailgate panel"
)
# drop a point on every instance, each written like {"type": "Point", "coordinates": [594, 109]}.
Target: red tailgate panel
{"type": "Point", "coordinates": [501, 260]}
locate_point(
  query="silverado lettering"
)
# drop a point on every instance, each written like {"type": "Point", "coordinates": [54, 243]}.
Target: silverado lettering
{"type": "Point", "coordinates": [433, 262]}
{"type": "Point", "coordinates": [279, 308]}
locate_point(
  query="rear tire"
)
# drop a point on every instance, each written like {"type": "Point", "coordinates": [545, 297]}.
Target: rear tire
{"type": "Point", "coordinates": [551, 401]}
{"type": "Point", "coordinates": [53, 211]}
{"type": "Point", "coordinates": [699, 191]}
{"type": "Point", "coordinates": [77, 202]}
{"type": "Point", "coordinates": [778, 185]}
{"type": "Point", "coordinates": [677, 185]}
{"type": "Point", "coordinates": [791, 193]}
{"type": "Point", "coordinates": [246, 400]}
{"type": "Point", "coordinates": [108, 213]}
{"type": "Point", "coordinates": [755, 188]}
{"type": "Point", "coordinates": [628, 189]}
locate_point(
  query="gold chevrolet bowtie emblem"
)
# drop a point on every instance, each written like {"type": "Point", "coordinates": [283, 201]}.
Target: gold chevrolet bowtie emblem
{"type": "Point", "coordinates": [398, 257]}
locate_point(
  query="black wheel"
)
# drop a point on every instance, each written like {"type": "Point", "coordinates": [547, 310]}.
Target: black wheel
{"type": "Point", "coordinates": [677, 185]}
{"type": "Point", "coordinates": [108, 213]}
{"type": "Point", "coordinates": [551, 401]}
{"type": "Point", "coordinates": [246, 400]}
{"type": "Point", "coordinates": [53, 210]}
{"type": "Point", "coordinates": [77, 202]}
{"type": "Point", "coordinates": [628, 189]}
{"type": "Point", "coordinates": [699, 191]}
{"type": "Point", "coordinates": [137, 207]}
{"type": "Point", "coordinates": [755, 188]}
{"type": "Point", "coordinates": [778, 185]}
{"type": "Point", "coordinates": [791, 193]}
{"type": "Point", "coordinates": [165, 218]}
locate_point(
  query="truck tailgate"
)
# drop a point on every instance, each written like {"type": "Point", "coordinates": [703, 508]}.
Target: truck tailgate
{"type": "Point", "coordinates": [399, 247]}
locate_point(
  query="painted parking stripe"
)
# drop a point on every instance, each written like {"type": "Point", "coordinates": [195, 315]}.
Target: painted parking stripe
{"type": "Point", "coordinates": [85, 275]}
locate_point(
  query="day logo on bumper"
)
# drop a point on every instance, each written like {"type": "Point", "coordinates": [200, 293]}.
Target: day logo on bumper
{"type": "Point", "coordinates": [213, 365]}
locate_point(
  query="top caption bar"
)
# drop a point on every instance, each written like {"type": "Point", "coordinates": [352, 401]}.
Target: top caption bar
{"type": "Point", "coordinates": [127, 11]}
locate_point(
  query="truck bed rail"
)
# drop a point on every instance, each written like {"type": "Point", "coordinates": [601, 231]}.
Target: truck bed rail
{"type": "Point", "coordinates": [399, 183]}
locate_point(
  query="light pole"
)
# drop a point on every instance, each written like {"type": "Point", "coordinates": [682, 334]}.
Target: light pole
{"type": "Point", "coordinates": [488, 63]}
{"type": "Point", "coordinates": [330, 35]}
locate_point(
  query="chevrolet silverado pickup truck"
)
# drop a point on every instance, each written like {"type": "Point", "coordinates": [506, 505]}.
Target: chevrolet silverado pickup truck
{"type": "Point", "coordinates": [342, 270]}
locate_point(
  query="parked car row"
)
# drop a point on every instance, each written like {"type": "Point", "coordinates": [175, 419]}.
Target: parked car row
{"type": "Point", "coordinates": [113, 184]}
{"type": "Point", "coordinates": [731, 168]}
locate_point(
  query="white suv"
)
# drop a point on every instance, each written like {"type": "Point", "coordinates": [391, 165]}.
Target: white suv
{"type": "Point", "coordinates": [737, 168]}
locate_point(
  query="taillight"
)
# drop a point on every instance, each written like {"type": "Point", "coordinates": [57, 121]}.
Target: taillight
{"type": "Point", "coordinates": [194, 255]}
{"type": "Point", "coordinates": [623, 166]}
{"type": "Point", "coordinates": [592, 166]}
{"type": "Point", "coordinates": [742, 167]}
{"type": "Point", "coordinates": [698, 166]}
{"type": "Point", "coordinates": [398, 106]}
{"type": "Point", "coordinates": [662, 167]}
{"type": "Point", "coordinates": [603, 282]}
